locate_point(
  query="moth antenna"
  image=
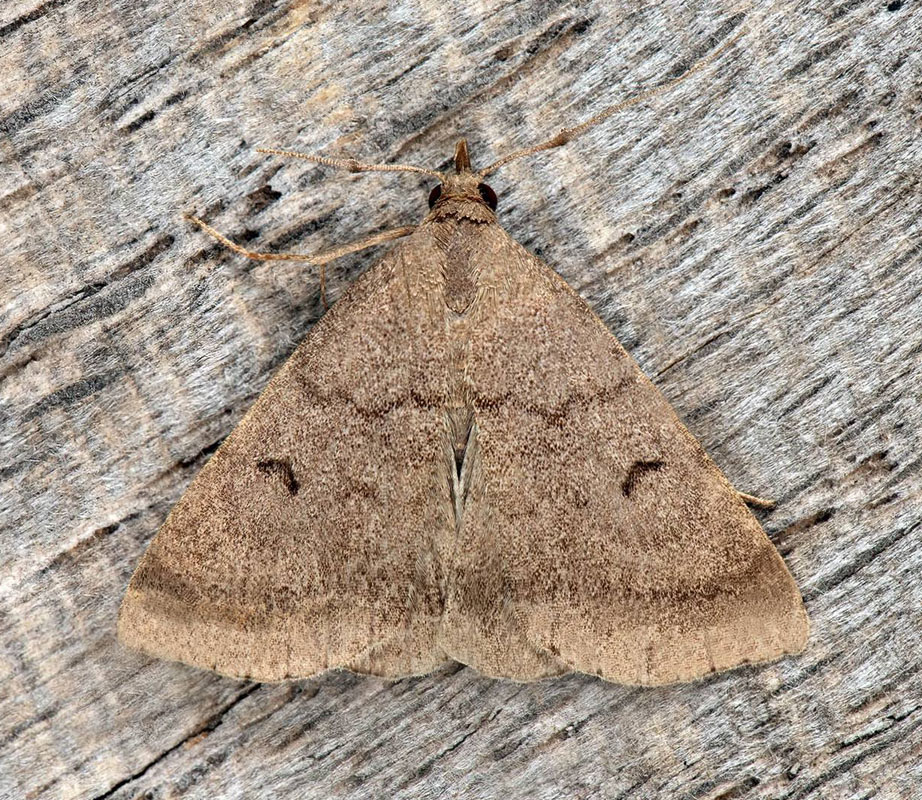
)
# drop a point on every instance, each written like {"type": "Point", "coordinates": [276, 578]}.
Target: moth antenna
{"type": "Point", "coordinates": [350, 163]}
{"type": "Point", "coordinates": [569, 134]}
{"type": "Point", "coordinates": [315, 259]}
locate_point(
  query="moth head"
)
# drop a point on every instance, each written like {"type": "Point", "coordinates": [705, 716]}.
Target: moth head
{"type": "Point", "coordinates": [464, 187]}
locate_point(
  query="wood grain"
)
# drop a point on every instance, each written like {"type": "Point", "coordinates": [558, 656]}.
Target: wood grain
{"type": "Point", "coordinates": [752, 238]}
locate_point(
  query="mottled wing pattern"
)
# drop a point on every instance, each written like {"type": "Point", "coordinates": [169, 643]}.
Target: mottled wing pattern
{"type": "Point", "coordinates": [313, 536]}
{"type": "Point", "coordinates": [597, 535]}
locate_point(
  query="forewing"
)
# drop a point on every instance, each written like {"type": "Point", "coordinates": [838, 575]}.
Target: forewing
{"type": "Point", "coordinates": [311, 538]}
{"type": "Point", "coordinates": [597, 535]}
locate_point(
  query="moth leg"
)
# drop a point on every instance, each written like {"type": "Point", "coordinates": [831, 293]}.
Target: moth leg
{"type": "Point", "coordinates": [317, 259]}
{"type": "Point", "coordinates": [757, 502]}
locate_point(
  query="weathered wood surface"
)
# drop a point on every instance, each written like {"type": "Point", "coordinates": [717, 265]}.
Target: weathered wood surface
{"type": "Point", "coordinates": [753, 238]}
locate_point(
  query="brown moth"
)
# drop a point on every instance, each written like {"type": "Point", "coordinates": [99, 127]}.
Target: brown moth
{"type": "Point", "coordinates": [460, 462]}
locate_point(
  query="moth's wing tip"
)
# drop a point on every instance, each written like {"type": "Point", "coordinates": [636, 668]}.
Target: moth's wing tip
{"type": "Point", "coordinates": [800, 631]}
{"type": "Point", "coordinates": [241, 655]}
{"type": "Point", "coordinates": [142, 630]}
{"type": "Point", "coordinates": [125, 629]}
{"type": "Point", "coordinates": [655, 657]}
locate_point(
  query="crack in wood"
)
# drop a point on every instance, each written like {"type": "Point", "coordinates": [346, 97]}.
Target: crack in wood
{"type": "Point", "coordinates": [857, 564]}
{"type": "Point", "coordinates": [208, 727]}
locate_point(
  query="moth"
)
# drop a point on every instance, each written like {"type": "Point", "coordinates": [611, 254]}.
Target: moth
{"type": "Point", "coordinates": [460, 462]}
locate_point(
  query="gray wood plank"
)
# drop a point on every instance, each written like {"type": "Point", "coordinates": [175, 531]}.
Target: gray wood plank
{"type": "Point", "coordinates": [752, 237]}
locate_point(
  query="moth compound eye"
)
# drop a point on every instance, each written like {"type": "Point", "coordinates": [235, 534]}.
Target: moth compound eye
{"type": "Point", "coordinates": [435, 194]}
{"type": "Point", "coordinates": [488, 195]}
